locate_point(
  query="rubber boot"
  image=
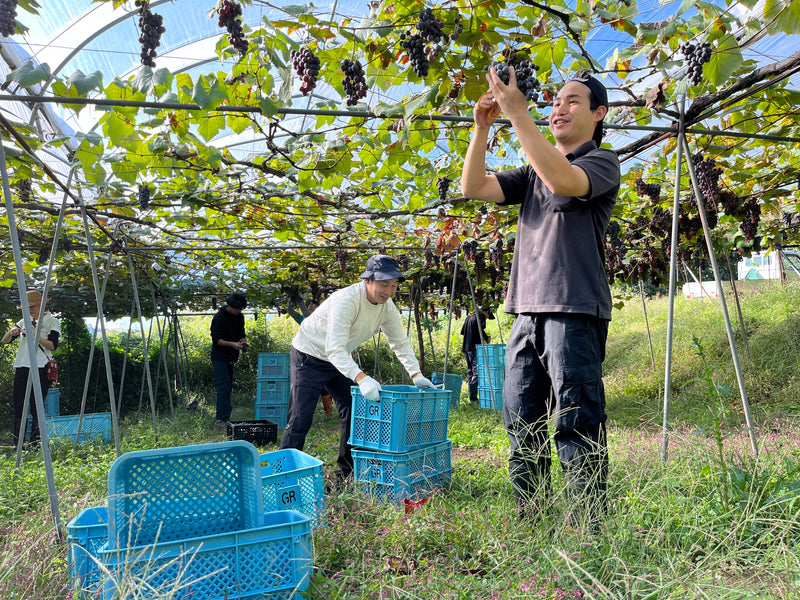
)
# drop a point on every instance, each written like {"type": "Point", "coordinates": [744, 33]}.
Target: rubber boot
{"type": "Point", "coordinates": [473, 392]}
{"type": "Point", "coordinates": [326, 404]}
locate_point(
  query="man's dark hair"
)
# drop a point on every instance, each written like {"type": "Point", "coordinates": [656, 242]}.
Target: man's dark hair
{"type": "Point", "coordinates": [238, 301]}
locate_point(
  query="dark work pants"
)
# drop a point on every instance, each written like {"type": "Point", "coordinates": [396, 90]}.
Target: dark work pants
{"type": "Point", "coordinates": [310, 377]}
{"type": "Point", "coordinates": [20, 384]}
{"type": "Point", "coordinates": [564, 352]}
{"type": "Point", "coordinates": [471, 358]}
{"type": "Point", "coordinates": [223, 379]}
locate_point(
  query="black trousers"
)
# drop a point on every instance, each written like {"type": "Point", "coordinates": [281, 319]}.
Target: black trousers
{"type": "Point", "coordinates": [20, 384]}
{"type": "Point", "coordinates": [562, 352]}
{"type": "Point", "coordinates": [311, 377]}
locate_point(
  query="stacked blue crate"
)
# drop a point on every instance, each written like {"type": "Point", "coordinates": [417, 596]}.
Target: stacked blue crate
{"type": "Point", "coordinates": [400, 446]}
{"type": "Point", "coordinates": [491, 375]}
{"type": "Point", "coordinates": [189, 521]}
{"type": "Point", "coordinates": [272, 388]}
{"type": "Point", "coordinates": [452, 383]}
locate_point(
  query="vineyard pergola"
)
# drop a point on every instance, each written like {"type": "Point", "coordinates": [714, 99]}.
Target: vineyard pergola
{"type": "Point", "coordinates": [215, 166]}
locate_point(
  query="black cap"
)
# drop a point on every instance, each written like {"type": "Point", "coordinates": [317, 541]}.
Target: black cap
{"type": "Point", "coordinates": [598, 90]}
{"type": "Point", "coordinates": [488, 311]}
{"type": "Point", "coordinates": [381, 267]}
{"type": "Point", "coordinates": [238, 301]}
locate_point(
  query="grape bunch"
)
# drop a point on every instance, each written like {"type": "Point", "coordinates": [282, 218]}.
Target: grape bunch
{"type": "Point", "coordinates": [696, 57]}
{"type": "Point", "coordinates": [24, 190]}
{"type": "Point", "coordinates": [731, 203]}
{"type": "Point", "coordinates": [470, 248]}
{"type": "Point", "coordinates": [708, 175]}
{"type": "Point", "coordinates": [144, 197]}
{"type": "Point", "coordinates": [355, 86]}
{"type": "Point", "coordinates": [306, 63]}
{"type": "Point", "coordinates": [480, 264]}
{"type": "Point", "coordinates": [428, 258]}
{"type": "Point", "coordinates": [458, 28]}
{"type": "Point", "coordinates": [651, 190]}
{"type": "Point", "coordinates": [341, 258]}
{"type": "Point", "coordinates": [524, 70]}
{"type": "Point", "coordinates": [151, 26]}
{"type": "Point", "coordinates": [443, 186]}
{"type": "Point", "coordinates": [429, 27]}
{"type": "Point", "coordinates": [8, 14]}
{"type": "Point", "coordinates": [230, 17]}
{"type": "Point", "coordinates": [496, 253]}
{"type": "Point", "coordinates": [415, 47]}
{"type": "Point", "coordinates": [787, 217]}
{"type": "Point", "coordinates": [749, 224]}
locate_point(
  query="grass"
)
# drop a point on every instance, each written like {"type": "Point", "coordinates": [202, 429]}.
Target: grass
{"type": "Point", "coordinates": [713, 521]}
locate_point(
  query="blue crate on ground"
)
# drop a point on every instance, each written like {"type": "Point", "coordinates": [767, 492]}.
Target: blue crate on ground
{"type": "Point", "coordinates": [293, 480]}
{"type": "Point", "coordinates": [404, 418]}
{"type": "Point", "coordinates": [406, 475]}
{"type": "Point", "coordinates": [86, 534]}
{"type": "Point", "coordinates": [273, 560]}
{"type": "Point", "coordinates": [170, 494]}
{"type": "Point", "coordinates": [95, 426]}
{"type": "Point", "coordinates": [485, 397]}
{"type": "Point", "coordinates": [275, 413]}
{"type": "Point", "coordinates": [51, 402]}
{"type": "Point", "coordinates": [273, 366]}
{"type": "Point", "coordinates": [272, 391]}
{"type": "Point", "coordinates": [452, 383]}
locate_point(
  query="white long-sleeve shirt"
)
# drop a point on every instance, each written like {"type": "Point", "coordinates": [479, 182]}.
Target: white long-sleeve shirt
{"type": "Point", "coordinates": [345, 321]}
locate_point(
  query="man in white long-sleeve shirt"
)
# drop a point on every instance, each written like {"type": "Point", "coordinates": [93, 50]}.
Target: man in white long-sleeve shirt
{"type": "Point", "coordinates": [321, 352]}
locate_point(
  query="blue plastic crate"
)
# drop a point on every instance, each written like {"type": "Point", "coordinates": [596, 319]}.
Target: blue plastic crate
{"type": "Point", "coordinates": [495, 354]}
{"type": "Point", "coordinates": [405, 417]}
{"type": "Point", "coordinates": [406, 475]}
{"type": "Point", "coordinates": [452, 384]}
{"type": "Point", "coordinates": [273, 366]}
{"type": "Point", "coordinates": [86, 534]}
{"type": "Point", "coordinates": [273, 560]}
{"type": "Point", "coordinates": [275, 413]}
{"type": "Point", "coordinates": [293, 480]}
{"type": "Point", "coordinates": [272, 391]}
{"type": "Point", "coordinates": [51, 402]}
{"type": "Point", "coordinates": [169, 494]}
{"type": "Point", "coordinates": [95, 426]}
{"type": "Point", "coordinates": [492, 376]}
{"type": "Point", "coordinates": [485, 397]}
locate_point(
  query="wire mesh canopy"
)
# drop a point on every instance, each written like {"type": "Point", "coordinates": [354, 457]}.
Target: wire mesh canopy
{"type": "Point", "coordinates": [216, 169]}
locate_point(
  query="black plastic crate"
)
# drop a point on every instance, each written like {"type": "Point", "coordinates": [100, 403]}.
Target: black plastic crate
{"type": "Point", "coordinates": [257, 432]}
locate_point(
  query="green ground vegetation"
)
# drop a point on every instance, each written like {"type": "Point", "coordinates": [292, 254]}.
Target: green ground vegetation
{"type": "Point", "coordinates": [712, 521]}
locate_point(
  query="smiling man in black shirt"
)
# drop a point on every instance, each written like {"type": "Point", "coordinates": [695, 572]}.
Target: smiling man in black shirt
{"type": "Point", "coordinates": [558, 287]}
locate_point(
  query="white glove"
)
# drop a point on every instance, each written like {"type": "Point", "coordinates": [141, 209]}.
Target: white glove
{"type": "Point", "coordinates": [423, 382]}
{"type": "Point", "coordinates": [370, 389]}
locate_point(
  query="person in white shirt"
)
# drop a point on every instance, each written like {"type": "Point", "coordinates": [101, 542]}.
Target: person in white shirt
{"type": "Point", "coordinates": [320, 356]}
{"type": "Point", "coordinates": [49, 333]}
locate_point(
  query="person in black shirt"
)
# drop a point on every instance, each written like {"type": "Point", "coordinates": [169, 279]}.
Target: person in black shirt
{"type": "Point", "coordinates": [558, 288]}
{"type": "Point", "coordinates": [227, 339]}
{"type": "Point", "coordinates": [472, 337]}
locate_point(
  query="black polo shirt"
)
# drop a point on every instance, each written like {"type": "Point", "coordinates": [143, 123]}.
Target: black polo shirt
{"type": "Point", "coordinates": [229, 327]}
{"type": "Point", "coordinates": [559, 260]}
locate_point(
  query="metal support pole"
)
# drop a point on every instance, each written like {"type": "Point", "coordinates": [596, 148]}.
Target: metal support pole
{"type": "Point", "coordinates": [450, 322]}
{"type": "Point", "coordinates": [647, 325]}
{"type": "Point", "coordinates": [99, 300]}
{"type": "Point", "coordinates": [37, 387]}
{"type": "Point", "coordinates": [163, 354]}
{"type": "Point", "coordinates": [739, 311]}
{"type": "Point", "coordinates": [125, 361]}
{"type": "Point", "coordinates": [480, 334]}
{"type": "Point", "coordinates": [145, 347]}
{"type": "Point", "coordinates": [673, 261]}
{"type": "Point", "coordinates": [728, 328]}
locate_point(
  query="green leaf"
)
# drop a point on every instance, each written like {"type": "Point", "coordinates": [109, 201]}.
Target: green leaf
{"type": "Point", "coordinates": [786, 15]}
{"type": "Point", "coordinates": [210, 126]}
{"type": "Point", "coordinates": [209, 92]}
{"type": "Point", "coordinates": [723, 63]}
{"type": "Point", "coordinates": [28, 74]}
{"type": "Point", "coordinates": [84, 84]}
